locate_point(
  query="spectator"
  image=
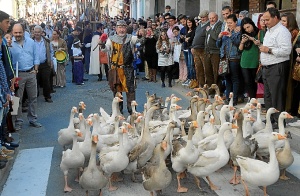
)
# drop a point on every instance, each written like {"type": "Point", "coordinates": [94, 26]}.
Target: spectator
{"type": "Point", "coordinates": [87, 47]}
{"type": "Point", "coordinates": [151, 56]}
{"type": "Point", "coordinates": [191, 27]}
{"type": "Point", "coordinates": [197, 51]}
{"type": "Point", "coordinates": [168, 10]}
{"type": "Point", "coordinates": [212, 52]}
{"type": "Point", "coordinates": [59, 44]}
{"type": "Point", "coordinates": [275, 56]}
{"type": "Point", "coordinates": [94, 64]}
{"type": "Point", "coordinates": [229, 42]}
{"type": "Point", "coordinates": [78, 64]}
{"type": "Point", "coordinates": [45, 53]}
{"type": "Point", "coordinates": [289, 21]}
{"type": "Point", "coordinates": [28, 63]}
{"type": "Point", "coordinates": [295, 106]}
{"type": "Point", "coordinates": [182, 66]}
{"type": "Point", "coordinates": [250, 55]}
{"type": "Point", "coordinates": [271, 4]}
{"type": "Point", "coordinates": [163, 48]}
{"type": "Point", "coordinates": [243, 14]}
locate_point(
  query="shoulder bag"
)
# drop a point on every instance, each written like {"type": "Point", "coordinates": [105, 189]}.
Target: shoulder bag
{"type": "Point", "coordinates": [224, 64]}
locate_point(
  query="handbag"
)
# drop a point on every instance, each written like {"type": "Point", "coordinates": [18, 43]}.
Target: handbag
{"type": "Point", "coordinates": [296, 71]}
{"type": "Point", "coordinates": [223, 67]}
{"type": "Point", "coordinates": [258, 76]}
{"type": "Point", "coordinates": [103, 57]}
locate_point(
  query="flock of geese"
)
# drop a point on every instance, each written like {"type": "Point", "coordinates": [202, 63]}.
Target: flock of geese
{"type": "Point", "coordinates": [199, 140]}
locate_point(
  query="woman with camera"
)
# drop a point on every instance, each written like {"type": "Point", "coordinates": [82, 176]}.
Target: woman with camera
{"type": "Point", "coordinates": [229, 41]}
{"type": "Point", "coordinates": [163, 48]}
{"type": "Point", "coordinates": [250, 55]}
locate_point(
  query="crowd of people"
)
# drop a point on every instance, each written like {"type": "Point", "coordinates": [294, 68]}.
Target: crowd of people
{"type": "Point", "coordinates": [182, 49]}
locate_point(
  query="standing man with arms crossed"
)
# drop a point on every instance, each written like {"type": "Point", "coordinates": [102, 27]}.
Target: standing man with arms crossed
{"type": "Point", "coordinates": [275, 56]}
{"type": "Point", "coordinates": [24, 52]}
{"type": "Point", "coordinates": [198, 47]}
{"type": "Point", "coordinates": [212, 52]}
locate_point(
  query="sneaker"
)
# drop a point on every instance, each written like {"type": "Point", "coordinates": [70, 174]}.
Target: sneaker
{"type": "Point", "coordinates": [187, 82]}
{"type": "Point", "coordinates": [35, 124]}
{"type": "Point", "coordinates": [163, 85]}
{"type": "Point", "coordinates": [10, 144]}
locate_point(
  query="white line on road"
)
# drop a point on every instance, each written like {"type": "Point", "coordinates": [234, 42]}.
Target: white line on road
{"type": "Point", "coordinates": [30, 173]}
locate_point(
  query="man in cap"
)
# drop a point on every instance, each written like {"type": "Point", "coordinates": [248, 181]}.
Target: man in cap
{"type": "Point", "coordinates": [197, 50]}
{"type": "Point", "coordinates": [120, 46]}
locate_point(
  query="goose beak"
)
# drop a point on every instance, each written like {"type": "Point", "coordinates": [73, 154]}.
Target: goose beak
{"type": "Point", "coordinates": [164, 145]}
{"type": "Point", "coordinates": [252, 119]}
{"type": "Point", "coordinates": [289, 116]}
{"type": "Point", "coordinates": [90, 123]}
{"type": "Point", "coordinates": [231, 108]}
{"type": "Point", "coordinates": [235, 116]}
{"type": "Point", "coordinates": [281, 137]}
{"type": "Point", "coordinates": [252, 107]}
{"type": "Point", "coordinates": [119, 99]}
{"type": "Point", "coordinates": [246, 111]}
{"type": "Point", "coordinates": [197, 89]}
{"type": "Point", "coordinates": [195, 124]}
{"type": "Point", "coordinates": [75, 110]}
{"type": "Point", "coordinates": [129, 126]}
{"type": "Point", "coordinates": [124, 130]}
{"type": "Point", "coordinates": [95, 138]}
{"type": "Point", "coordinates": [79, 134]}
{"type": "Point", "coordinates": [178, 107]}
{"type": "Point", "coordinates": [178, 99]}
{"type": "Point", "coordinates": [276, 110]}
{"type": "Point", "coordinates": [233, 126]}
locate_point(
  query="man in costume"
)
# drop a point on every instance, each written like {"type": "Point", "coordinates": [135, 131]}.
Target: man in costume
{"type": "Point", "coordinates": [121, 76]}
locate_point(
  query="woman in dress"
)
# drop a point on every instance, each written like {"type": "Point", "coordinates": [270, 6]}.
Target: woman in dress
{"type": "Point", "coordinates": [229, 41]}
{"type": "Point", "coordinates": [59, 44]}
{"type": "Point", "coordinates": [151, 54]}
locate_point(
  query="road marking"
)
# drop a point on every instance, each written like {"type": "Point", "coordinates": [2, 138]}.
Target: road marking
{"type": "Point", "coordinates": [30, 173]}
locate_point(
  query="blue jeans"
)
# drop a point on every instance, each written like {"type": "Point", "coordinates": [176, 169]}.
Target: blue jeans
{"type": "Point", "coordinates": [233, 81]}
{"type": "Point", "coordinates": [189, 61]}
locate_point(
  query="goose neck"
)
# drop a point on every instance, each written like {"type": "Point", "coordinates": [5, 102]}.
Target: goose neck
{"type": "Point", "coordinates": [273, 159]}
{"type": "Point", "coordinates": [281, 125]}
{"type": "Point", "coordinates": [92, 162]}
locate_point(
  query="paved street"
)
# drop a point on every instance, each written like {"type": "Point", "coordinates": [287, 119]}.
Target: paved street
{"type": "Point", "coordinates": [36, 168]}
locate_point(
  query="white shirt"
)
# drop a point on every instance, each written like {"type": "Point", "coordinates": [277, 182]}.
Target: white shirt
{"type": "Point", "coordinates": [278, 39]}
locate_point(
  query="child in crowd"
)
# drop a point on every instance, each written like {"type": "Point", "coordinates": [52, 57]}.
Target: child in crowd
{"type": "Point", "coordinates": [8, 38]}
{"type": "Point", "coordinates": [104, 59]}
{"type": "Point", "coordinates": [78, 64]}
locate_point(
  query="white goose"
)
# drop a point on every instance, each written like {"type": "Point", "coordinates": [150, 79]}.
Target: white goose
{"type": "Point", "coordinates": [262, 136]}
{"type": "Point", "coordinates": [115, 111]}
{"type": "Point", "coordinates": [85, 146]}
{"type": "Point", "coordinates": [143, 150]}
{"type": "Point", "coordinates": [285, 158]}
{"type": "Point", "coordinates": [212, 160]}
{"type": "Point", "coordinates": [65, 135]}
{"type": "Point", "coordinates": [258, 124]}
{"type": "Point", "coordinates": [115, 161]}
{"type": "Point", "coordinates": [184, 153]}
{"type": "Point", "coordinates": [71, 159]}
{"type": "Point", "coordinates": [260, 173]}
{"type": "Point", "coordinates": [92, 177]}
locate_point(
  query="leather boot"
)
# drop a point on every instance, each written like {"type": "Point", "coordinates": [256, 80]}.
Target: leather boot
{"type": "Point", "coordinates": [130, 97]}
{"type": "Point", "coordinates": [150, 75]}
{"type": "Point", "coordinates": [154, 74]}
